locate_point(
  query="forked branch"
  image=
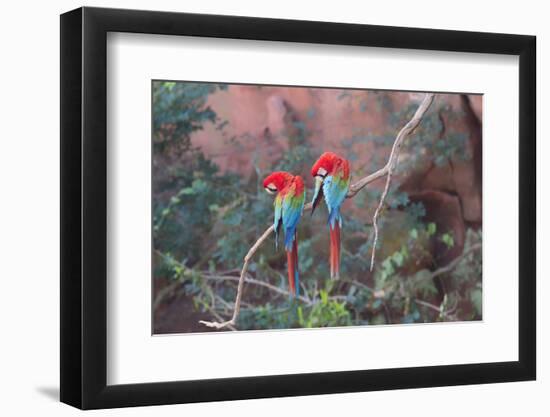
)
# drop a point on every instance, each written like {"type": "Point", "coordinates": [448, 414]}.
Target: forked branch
{"type": "Point", "coordinates": [387, 170]}
{"type": "Point", "coordinates": [392, 162]}
{"type": "Point", "coordinates": [240, 286]}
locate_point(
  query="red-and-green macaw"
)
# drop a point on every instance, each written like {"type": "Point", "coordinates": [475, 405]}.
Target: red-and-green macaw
{"type": "Point", "coordinates": [332, 180]}
{"type": "Point", "coordinates": [289, 204]}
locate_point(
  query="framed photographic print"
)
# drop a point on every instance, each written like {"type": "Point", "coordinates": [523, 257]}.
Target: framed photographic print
{"type": "Point", "coordinates": [258, 207]}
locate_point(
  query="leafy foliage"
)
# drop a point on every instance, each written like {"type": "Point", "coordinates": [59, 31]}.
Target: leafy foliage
{"type": "Point", "coordinates": [179, 109]}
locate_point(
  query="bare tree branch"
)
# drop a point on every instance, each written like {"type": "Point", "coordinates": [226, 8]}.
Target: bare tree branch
{"type": "Point", "coordinates": [257, 282]}
{"type": "Point", "coordinates": [430, 306]}
{"type": "Point", "coordinates": [244, 271]}
{"type": "Point", "coordinates": [452, 265]}
{"type": "Point", "coordinates": [220, 318]}
{"type": "Point", "coordinates": [392, 162]}
{"type": "Point", "coordinates": [443, 270]}
{"type": "Point", "coordinates": [354, 189]}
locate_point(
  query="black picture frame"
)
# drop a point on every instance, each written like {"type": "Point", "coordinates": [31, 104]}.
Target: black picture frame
{"type": "Point", "coordinates": [84, 207]}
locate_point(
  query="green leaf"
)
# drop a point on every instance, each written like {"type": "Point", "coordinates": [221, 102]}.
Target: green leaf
{"type": "Point", "coordinates": [187, 191]}
{"type": "Point", "coordinates": [388, 267]}
{"type": "Point", "coordinates": [300, 315]}
{"type": "Point", "coordinates": [448, 239]}
{"type": "Point", "coordinates": [431, 228]}
{"type": "Point", "coordinates": [324, 296]}
{"type": "Point", "coordinates": [398, 258]}
{"type": "Point", "coordinates": [199, 185]}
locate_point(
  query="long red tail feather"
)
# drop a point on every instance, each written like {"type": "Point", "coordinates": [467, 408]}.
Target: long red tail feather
{"type": "Point", "coordinates": [296, 269]}
{"type": "Point", "coordinates": [335, 251]}
{"type": "Point", "coordinates": [331, 254]}
{"type": "Point", "coordinates": [292, 264]}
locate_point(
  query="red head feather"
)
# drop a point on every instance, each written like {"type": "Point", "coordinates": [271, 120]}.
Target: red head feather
{"type": "Point", "coordinates": [325, 161]}
{"type": "Point", "coordinates": [329, 161]}
{"type": "Point", "coordinates": [279, 180]}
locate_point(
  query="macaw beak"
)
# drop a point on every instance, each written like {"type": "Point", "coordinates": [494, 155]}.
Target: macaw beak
{"type": "Point", "coordinates": [318, 194]}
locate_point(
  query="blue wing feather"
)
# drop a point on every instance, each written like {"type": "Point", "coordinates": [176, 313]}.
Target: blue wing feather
{"type": "Point", "coordinates": [277, 219]}
{"type": "Point", "coordinates": [292, 208]}
{"type": "Point", "coordinates": [335, 193]}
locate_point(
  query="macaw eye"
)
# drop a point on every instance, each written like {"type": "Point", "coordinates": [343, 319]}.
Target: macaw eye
{"type": "Point", "coordinates": [322, 173]}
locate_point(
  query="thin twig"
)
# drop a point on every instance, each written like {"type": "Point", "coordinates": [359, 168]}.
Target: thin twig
{"type": "Point", "coordinates": [259, 283]}
{"type": "Point", "coordinates": [244, 271]}
{"type": "Point", "coordinates": [443, 270]}
{"type": "Point", "coordinates": [354, 189]}
{"type": "Point", "coordinates": [431, 306]}
{"type": "Point", "coordinates": [220, 318]}
{"type": "Point", "coordinates": [451, 265]}
{"type": "Point", "coordinates": [392, 162]}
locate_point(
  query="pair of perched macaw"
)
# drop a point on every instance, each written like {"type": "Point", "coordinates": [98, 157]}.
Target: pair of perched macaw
{"type": "Point", "coordinates": [332, 180]}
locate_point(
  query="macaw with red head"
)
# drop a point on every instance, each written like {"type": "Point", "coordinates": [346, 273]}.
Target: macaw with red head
{"type": "Point", "coordinates": [332, 180]}
{"type": "Point", "coordinates": [289, 205]}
